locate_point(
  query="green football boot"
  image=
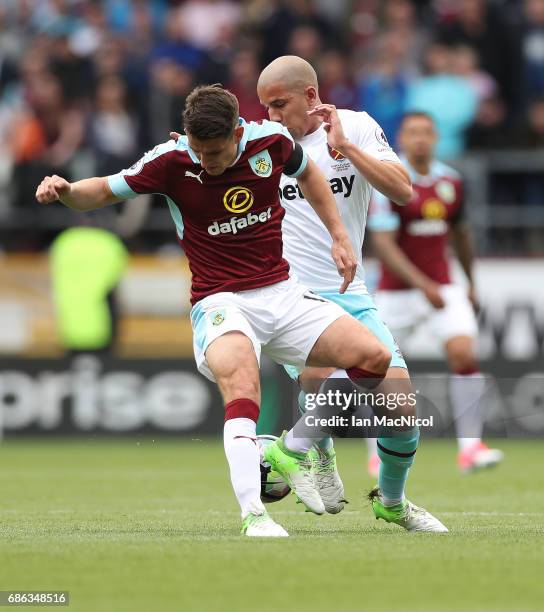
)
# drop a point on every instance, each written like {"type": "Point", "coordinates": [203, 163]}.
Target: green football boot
{"type": "Point", "coordinates": [405, 514]}
{"type": "Point", "coordinates": [296, 469]}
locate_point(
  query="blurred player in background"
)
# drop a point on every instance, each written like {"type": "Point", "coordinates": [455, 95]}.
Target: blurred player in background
{"type": "Point", "coordinates": [415, 287]}
{"type": "Point", "coordinates": [221, 183]}
{"type": "Point", "coordinates": [351, 150]}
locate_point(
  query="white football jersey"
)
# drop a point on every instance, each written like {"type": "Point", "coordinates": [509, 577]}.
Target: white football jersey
{"type": "Point", "coordinates": [306, 242]}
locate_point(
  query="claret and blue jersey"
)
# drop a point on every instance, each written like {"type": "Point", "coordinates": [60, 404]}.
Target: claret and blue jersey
{"type": "Point", "coordinates": [228, 225]}
{"type": "Point", "coordinates": [423, 225]}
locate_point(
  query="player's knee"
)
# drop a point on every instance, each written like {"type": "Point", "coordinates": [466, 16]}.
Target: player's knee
{"type": "Point", "coordinates": [377, 360]}
{"type": "Point", "coordinates": [239, 387]}
{"type": "Point", "coordinates": [463, 362]}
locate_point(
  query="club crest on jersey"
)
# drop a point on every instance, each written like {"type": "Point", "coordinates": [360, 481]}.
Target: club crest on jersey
{"type": "Point", "coordinates": [446, 191]}
{"type": "Point", "coordinates": [217, 317]}
{"type": "Point", "coordinates": [261, 164]}
{"type": "Point", "coordinates": [135, 168]}
{"type": "Point", "coordinates": [336, 155]}
{"type": "Point", "coordinates": [381, 137]}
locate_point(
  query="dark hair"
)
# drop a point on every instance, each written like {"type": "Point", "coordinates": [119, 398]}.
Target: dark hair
{"type": "Point", "coordinates": [210, 112]}
{"type": "Point", "coordinates": [416, 114]}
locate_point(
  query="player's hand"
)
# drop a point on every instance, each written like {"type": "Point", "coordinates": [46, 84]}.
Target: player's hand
{"type": "Point", "coordinates": [432, 293]}
{"type": "Point", "coordinates": [345, 260]}
{"type": "Point", "coordinates": [332, 125]}
{"type": "Point", "coordinates": [52, 188]}
{"type": "Point", "coordinates": [473, 298]}
{"type": "Point", "coordinates": [175, 136]}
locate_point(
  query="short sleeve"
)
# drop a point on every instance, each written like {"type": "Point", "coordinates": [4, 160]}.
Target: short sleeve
{"type": "Point", "coordinates": [297, 162]}
{"type": "Point", "coordinates": [148, 175]}
{"type": "Point", "coordinates": [372, 139]}
{"type": "Point", "coordinates": [295, 158]}
{"type": "Point", "coordinates": [381, 216]}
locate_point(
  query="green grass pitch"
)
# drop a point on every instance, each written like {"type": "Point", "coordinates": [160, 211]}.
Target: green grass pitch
{"type": "Point", "coordinates": [153, 526]}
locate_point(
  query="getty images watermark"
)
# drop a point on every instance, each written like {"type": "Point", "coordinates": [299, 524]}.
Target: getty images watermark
{"type": "Point", "coordinates": [345, 405]}
{"type": "Point", "coordinates": [440, 404]}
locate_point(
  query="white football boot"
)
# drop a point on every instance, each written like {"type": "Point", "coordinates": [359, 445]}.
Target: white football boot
{"type": "Point", "coordinates": [405, 514]}
{"type": "Point", "coordinates": [327, 479]}
{"type": "Point", "coordinates": [262, 526]}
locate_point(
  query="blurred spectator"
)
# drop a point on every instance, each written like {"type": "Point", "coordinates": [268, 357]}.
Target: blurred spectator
{"type": "Point", "coordinates": [305, 41]}
{"type": "Point", "coordinates": [400, 20]}
{"type": "Point", "coordinates": [244, 73]}
{"type": "Point", "coordinates": [448, 98]}
{"type": "Point", "coordinates": [170, 85]}
{"type": "Point", "coordinates": [489, 130]}
{"type": "Point", "coordinates": [383, 89]}
{"type": "Point", "coordinates": [529, 133]}
{"type": "Point", "coordinates": [174, 44]}
{"type": "Point", "coordinates": [531, 136]}
{"type": "Point", "coordinates": [49, 132]}
{"type": "Point", "coordinates": [87, 38]}
{"type": "Point", "coordinates": [363, 22]}
{"type": "Point", "coordinates": [336, 85]}
{"type": "Point", "coordinates": [465, 64]}
{"type": "Point", "coordinates": [532, 49]}
{"type": "Point", "coordinates": [215, 66]}
{"type": "Point", "coordinates": [74, 72]}
{"type": "Point", "coordinates": [122, 15]}
{"type": "Point", "coordinates": [479, 24]}
{"type": "Point", "coordinates": [275, 21]}
{"type": "Point", "coordinates": [113, 130]}
{"type": "Point", "coordinates": [204, 21]}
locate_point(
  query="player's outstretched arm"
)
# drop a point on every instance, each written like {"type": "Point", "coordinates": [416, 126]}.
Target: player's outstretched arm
{"type": "Point", "coordinates": [319, 195]}
{"type": "Point", "coordinates": [392, 256]}
{"type": "Point", "coordinates": [84, 195]}
{"type": "Point", "coordinates": [389, 178]}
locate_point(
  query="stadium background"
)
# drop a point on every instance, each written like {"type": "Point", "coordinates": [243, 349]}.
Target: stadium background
{"type": "Point", "coordinates": [86, 87]}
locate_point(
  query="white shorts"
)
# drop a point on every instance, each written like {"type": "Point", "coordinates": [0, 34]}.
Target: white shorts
{"type": "Point", "coordinates": [283, 320]}
{"type": "Point", "coordinates": [406, 310]}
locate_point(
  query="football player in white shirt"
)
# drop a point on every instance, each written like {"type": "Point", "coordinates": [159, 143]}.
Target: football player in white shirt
{"type": "Point", "coordinates": [351, 150]}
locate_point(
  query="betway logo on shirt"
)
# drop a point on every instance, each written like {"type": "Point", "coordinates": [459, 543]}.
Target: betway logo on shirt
{"type": "Point", "coordinates": [341, 184]}
{"type": "Point", "coordinates": [235, 224]}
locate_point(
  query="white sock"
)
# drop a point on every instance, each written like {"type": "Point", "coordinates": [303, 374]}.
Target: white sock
{"type": "Point", "coordinates": [301, 444]}
{"type": "Point", "coordinates": [296, 444]}
{"type": "Point", "coordinates": [372, 447]}
{"type": "Point", "coordinates": [243, 456]}
{"type": "Point", "coordinates": [466, 392]}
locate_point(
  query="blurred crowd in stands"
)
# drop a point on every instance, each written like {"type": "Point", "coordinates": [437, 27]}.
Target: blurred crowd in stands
{"type": "Point", "coordinates": [87, 85]}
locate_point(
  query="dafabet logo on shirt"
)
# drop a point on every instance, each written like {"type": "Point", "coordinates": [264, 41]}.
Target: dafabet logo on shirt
{"type": "Point", "coordinates": [238, 199]}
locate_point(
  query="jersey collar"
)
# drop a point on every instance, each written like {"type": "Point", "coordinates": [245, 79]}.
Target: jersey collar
{"type": "Point", "coordinates": [420, 178]}
{"type": "Point", "coordinates": [312, 138]}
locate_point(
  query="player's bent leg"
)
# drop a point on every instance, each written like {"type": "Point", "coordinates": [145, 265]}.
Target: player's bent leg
{"type": "Point", "coordinates": [320, 451]}
{"type": "Point", "coordinates": [349, 345]}
{"type": "Point", "coordinates": [467, 387]}
{"type": "Point", "coordinates": [233, 362]}
{"type": "Point", "coordinates": [397, 448]}
{"type": "Point", "coordinates": [322, 454]}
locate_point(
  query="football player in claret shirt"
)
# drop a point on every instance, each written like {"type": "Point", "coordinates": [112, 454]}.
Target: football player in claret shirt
{"type": "Point", "coordinates": [351, 150]}
{"type": "Point", "coordinates": [416, 287]}
{"type": "Point", "coordinates": [221, 185]}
